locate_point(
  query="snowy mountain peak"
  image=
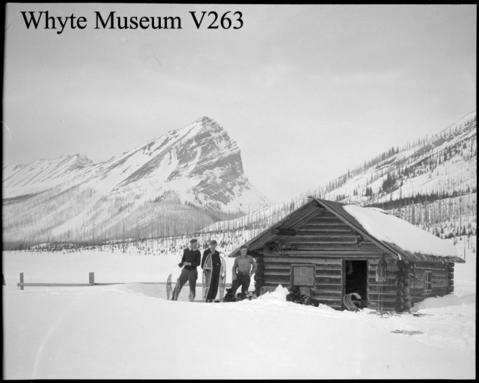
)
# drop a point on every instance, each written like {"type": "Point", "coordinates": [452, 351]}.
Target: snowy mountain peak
{"type": "Point", "coordinates": [206, 121]}
{"type": "Point", "coordinates": [196, 169]}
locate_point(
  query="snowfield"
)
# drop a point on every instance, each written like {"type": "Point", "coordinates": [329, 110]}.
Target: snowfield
{"type": "Point", "coordinates": [131, 331]}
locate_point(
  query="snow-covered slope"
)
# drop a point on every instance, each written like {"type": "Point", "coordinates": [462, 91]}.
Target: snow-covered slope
{"type": "Point", "coordinates": [430, 183]}
{"type": "Point", "coordinates": [443, 164]}
{"type": "Point", "coordinates": [178, 182]}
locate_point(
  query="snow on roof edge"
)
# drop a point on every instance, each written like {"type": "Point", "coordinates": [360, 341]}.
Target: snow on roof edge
{"type": "Point", "coordinates": [391, 229]}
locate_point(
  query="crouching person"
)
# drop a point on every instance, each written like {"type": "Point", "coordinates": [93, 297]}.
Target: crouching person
{"type": "Point", "coordinates": [244, 266]}
{"type": "Point", "coordinates": [189, 262]}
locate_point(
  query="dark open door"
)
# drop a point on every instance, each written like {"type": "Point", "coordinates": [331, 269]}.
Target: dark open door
{"type": "Point", "coordinates": [356, 278]}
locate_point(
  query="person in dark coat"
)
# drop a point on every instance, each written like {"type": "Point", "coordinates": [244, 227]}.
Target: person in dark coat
{"type": "Point", "coordinates": [216, 269]}
{"type": "Point", "coordinates": [189, 262]}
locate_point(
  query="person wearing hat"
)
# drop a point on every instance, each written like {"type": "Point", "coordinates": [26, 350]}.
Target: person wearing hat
{"type": "Point", "coordinates": [211, 264]}
{"type": "Point", "coordinates": [189, 262]}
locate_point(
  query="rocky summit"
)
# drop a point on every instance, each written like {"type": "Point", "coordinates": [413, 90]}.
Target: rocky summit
{"type": "Point", "coordinates": [176, 183]}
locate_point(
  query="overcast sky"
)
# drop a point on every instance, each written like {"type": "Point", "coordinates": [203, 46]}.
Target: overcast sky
{"type": "Point", "coordinates": [306, 91]}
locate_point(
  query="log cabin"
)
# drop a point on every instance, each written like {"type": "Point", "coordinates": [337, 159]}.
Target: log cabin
{"type": "Point", "coordinates": [335, 249]}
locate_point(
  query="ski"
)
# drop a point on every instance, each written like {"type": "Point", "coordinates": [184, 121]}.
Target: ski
{"type": "Point", "coordinates": [168, 287]}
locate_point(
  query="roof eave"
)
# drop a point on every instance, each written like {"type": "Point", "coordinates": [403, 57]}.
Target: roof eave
{"type": "Point", "coordinates": [270, 228]}
{"type": "Point", "coordinates": [394, 250]}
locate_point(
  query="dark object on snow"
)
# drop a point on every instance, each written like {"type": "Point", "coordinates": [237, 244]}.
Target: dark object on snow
{"type": "Point", "coordinates": [353, 302]}
{"type": "Point", "coordinates": [229, 297]}
{"type": "Point", "coordinates": [297, 296]}
{"type": "Point", "coordinates": [240, 296]}
{"type": "Point", "coordinates": [407, 332]}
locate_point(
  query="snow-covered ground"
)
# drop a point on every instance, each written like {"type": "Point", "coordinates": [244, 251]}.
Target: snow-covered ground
{"type": "Point", "coordinates": [131, 331]}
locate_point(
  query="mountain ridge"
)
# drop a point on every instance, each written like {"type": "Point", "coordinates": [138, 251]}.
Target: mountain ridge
{"type": "Point", "coordinates": [430, 182]}
{"type": "Point", "coordinates": [198, 166]}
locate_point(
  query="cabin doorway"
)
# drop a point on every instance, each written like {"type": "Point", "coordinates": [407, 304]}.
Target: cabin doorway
{"type": "Point", "coordinates": [356, 278]}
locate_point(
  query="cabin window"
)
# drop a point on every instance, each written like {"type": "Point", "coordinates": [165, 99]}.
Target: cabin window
{"type": "Point", "coordinates": [303, 275]}
{"type": "Point", "coordinates": [428, 280]}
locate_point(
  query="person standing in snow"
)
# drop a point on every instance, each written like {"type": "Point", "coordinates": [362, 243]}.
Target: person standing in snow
{"type": "Point", "coordinates": [189, 262]}
{"type": "Point", "coordinates": [244, 266]}
{"type": "Point", "coordinates": [211, 263]}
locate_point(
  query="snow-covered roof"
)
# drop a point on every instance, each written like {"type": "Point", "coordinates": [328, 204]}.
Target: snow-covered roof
{"type": "Point", "coordinates": [396, 231]}
{"type": "Point", "coordinates": [394, 235]}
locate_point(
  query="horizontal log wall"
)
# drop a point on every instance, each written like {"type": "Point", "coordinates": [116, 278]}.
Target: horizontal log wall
{"type": "Point", "coordinates": [450, 276]}
{"type": "Point", "coordinates": [328, 278]}
{"type": "Point", "coordinates": [326, 235]}
{"type": "Point", "coordinates": [382, 296]}
{"type": "Point", "coordinates": [442, 280]}
{"type": "Point", "coordinates": [325, 241]}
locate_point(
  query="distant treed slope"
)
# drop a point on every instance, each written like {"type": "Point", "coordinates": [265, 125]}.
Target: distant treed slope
{"type": "Point", "coordinates": [443, 164]}
{"type": "Point", "coordinates": [445, 217]}
{"type": "Point", "coordinates": [177, 183]}
{"type": "Point", "coordinates": [431, 182]}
